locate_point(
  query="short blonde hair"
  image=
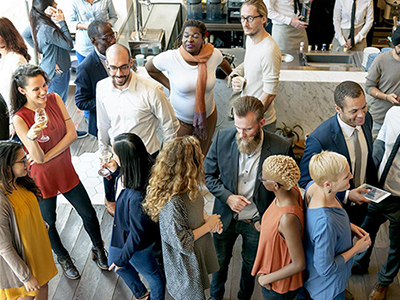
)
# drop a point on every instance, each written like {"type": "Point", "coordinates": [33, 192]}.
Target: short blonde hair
{"type": "Point", "coordinates": [282, 169]}
{"type": "Point", "coordinates": [326, 166]}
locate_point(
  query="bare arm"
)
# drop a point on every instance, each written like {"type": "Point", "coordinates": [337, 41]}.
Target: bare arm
{"type": "Point", "coordinates": [290, 228]}
{"type": "Point", "coordinates": [156, 74]}
{"type": "Point", "coordinates": [267, 99]}
{"type": "Point", "coordinates": [360, 246]}
{"type": "Point", "coordinates": [211, 222]}
{"type": "Point", "coordinates": [392, 98]}
{"type": "Point", "coordinates": [225, 67]}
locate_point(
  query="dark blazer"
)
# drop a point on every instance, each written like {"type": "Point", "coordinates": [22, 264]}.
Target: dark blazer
{"type": "Point", "coordinates": [88, 73]}
{"type": "Point", "coordinates": [221, 167]}
{"type": "Point", "coordinates": [329, 136]}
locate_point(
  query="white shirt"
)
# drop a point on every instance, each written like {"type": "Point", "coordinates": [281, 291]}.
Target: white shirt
{"type": "Point", "coordinates": [348, 133]}
{"type": "Point", "coordinates": [342, 18]}
{"type": "Point", "coordinates": [139, 109]}
{"type": "Point", "coordinates": [388, 133]}
{"type": "Point", "coordinates": [247, 176]}
{"type": "Point", "coordinates": [280, 11]}
{"type": "Point", "coordinates": [183, 80]}
{"type": "Point", "coordinates": [8, 64]}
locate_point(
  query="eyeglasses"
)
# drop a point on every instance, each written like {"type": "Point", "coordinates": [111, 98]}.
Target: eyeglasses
{"type": "Point", "coordinates": [249, 19]}
{"type": "Point", "coordinates": [268, 180]}
{"type": "Point", "coordinates": [122, 68]}
{"type": "Point", "coordinates": [23, 161]}
{"type": "Point", "coordinates": [108, 38]}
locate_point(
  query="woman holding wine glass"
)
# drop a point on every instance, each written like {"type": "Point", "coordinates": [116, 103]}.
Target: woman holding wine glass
{"type": "Point", "coordinates": [50, 160]}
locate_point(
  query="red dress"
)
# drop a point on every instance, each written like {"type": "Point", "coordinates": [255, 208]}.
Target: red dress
{"type": "Point", "coordinates": [58, 174]}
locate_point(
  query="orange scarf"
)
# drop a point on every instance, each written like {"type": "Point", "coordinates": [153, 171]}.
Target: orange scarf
{"type": "Point", "coordinates": [200, 117]}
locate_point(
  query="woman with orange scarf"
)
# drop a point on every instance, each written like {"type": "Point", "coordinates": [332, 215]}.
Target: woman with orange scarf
{"type": "Point", "coordinates": [191, 79]}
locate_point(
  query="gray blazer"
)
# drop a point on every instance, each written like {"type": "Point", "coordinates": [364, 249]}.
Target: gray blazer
{"type": "Point", "coordinates": [13, 265]}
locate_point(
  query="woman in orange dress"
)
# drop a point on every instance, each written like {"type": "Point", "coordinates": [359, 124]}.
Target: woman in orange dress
{"type": "Point", "coordinates": [26, 261]}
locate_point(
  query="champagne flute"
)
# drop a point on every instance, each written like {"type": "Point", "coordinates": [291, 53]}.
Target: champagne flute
{"type": "Point", "coordinates": [41, 119]}
{"type": "Point", "coordinates": [105, 157]}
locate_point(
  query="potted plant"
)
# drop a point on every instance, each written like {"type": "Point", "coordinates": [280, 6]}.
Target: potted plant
{"type": "Point", "coordinates": [289, 133]}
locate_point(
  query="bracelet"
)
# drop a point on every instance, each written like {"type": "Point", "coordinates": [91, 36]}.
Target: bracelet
{"type": "Point", "coordinates": [32, 140]}
{"type": "Point", "coordinates": [376, 95]}
{"type": "Point", "coordinates": [386, 97]}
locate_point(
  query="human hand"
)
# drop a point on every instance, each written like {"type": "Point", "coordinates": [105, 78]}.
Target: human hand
{"type": "Point", "coordinates": [238, 83]}
{"type": "Point", "coordinates": [363, 244]}
{"type": "Point", "coordinates": [36, 129]}
{"type": "Point", "coordinates": [257, 226]}
{"type": "Point", "coordinates": [114, 267]}
{"type": "Point", "coordinates": [296, 23]}
{"type": "Point", "coordinates": [358, 231]}
{"type": "Point", "coordinates": [237, 202]}
{"type": "Point", "coordinates": [355, 195]}
{"type": "Point", "coordinates": [213, 222]}
{"type": "Point", "coordinates": [111, 165]}
{"type": "Point", "coordinates": [347, 45]}
{"type": "Point", "coordinates": [392, 98]}
{"type": "Point", "coordinates": [58, 15]}
{"type": "Point", "coordinates": [263, 281]}
{"type": "Point", "coordinates": [32, 284]}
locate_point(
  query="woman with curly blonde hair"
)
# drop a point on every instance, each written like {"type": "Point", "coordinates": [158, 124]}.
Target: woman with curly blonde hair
{"type": "Point", "coordinates": [280, 256]}
{"type": "Point", "coordinates": [173, 199]}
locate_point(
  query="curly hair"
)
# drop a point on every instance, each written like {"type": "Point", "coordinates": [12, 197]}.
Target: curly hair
{"type": "Point", "coordinates": [14, 41]}
{"type": "Point", "coordinates": [178, 169]}
{"type": "Point", "coordinates": [282, 169]}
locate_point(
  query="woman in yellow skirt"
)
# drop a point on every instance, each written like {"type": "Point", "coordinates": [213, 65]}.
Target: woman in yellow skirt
{"type": "Point", "coordinates": [26, 260]}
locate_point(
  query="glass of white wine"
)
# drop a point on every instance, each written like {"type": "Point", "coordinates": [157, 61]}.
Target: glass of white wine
{"type": "Point", "coordinates": [105, 157]}
{"type": "Point", "coordinates": [41, 119]}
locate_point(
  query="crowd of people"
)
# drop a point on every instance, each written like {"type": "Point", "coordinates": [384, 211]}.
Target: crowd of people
{"type": "Point", "coordinates": [302, 244]}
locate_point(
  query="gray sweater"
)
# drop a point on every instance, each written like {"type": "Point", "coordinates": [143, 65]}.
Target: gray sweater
{"type": "Point", "coordinates": [383, 74]}
{"type": "Point", "coordinates": [55, 48]}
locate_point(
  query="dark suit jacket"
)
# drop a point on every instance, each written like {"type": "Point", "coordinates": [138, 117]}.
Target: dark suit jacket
{"type": "Point", "coordinates": [88, 73]}
{"type": "Point", "coordinates": [221, 167]}
{"type": "Point", "coordinates": [329, 136]}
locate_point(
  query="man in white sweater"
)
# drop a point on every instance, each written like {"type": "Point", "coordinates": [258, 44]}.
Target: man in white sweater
{"type": "Point", "coordinates": [262, 61]}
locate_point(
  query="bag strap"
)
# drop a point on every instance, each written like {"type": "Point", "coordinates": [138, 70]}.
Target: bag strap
{"type": "Point", "coordinates": [390, 161]}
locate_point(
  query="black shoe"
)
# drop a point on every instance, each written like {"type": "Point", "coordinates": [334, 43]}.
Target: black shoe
{"type": "Point", "coordinates": [358, 270]}
{"type": "Point", "coordinates": [100, 256]}
{"type": "Point", "coordinates": [81, 134]}
{"type": "Point", "coordinates": [68, 267]}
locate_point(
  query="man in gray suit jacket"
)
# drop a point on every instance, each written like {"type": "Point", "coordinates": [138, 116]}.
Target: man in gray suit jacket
{"type": "Point", "coordinates": [233, 165]}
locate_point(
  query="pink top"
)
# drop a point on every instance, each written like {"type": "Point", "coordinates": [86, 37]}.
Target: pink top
{"type": "Point", "coordinates": [273, 253]}
{"type": "Point", "coordinates": [58, 174]}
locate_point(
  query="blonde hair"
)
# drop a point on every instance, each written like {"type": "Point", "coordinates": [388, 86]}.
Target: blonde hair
{"type": "Point", "coordinates": [178, 169]}
{"type": "Point", "coordinates": [260, 6]}
{"type": "Point", "coordinates": [282, 169]}
{"type": "Point", "coordinates": [326, 166]}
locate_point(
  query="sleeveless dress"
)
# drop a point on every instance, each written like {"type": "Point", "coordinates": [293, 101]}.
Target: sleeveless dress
{"type": "Point", "coordinates": [273, 253]}
{"type": "Point", "coordinates": [58, 174]}
{"type": "Point", "coordinates": [35, 240]}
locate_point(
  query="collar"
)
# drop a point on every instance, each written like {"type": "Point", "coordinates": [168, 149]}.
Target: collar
{"type": "Point", "coordinates": [346, 128]}
{"type": "Point", "coordinates": [101, 56]}
{"type": "Point", "coordinates": [132, 83]}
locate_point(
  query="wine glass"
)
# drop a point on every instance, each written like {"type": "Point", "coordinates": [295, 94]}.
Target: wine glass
{"type": "Point", "coordinates": [41, 119]}
{"type": "Point", "coordinates": [105, 157]}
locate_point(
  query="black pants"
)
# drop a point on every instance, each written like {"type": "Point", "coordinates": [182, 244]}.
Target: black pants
{"type": "Point", "coordinates": [4, 120]}
{"type": "Point", "coordinates": [79, 199]}
{"type": "Point", "coordinates": [379, 213]}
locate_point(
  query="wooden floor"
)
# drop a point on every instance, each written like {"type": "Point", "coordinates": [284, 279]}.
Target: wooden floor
{"type": "Point", "coordinates": [101, 285]}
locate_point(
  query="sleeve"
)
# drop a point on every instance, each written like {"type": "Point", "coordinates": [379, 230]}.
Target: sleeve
{"type": "Point", "coordinates": [239, 70]}
{"type": "Point", "coordinates": [103, 121]}
{"type": "Point", "coordinates": [27, 34]}
{"type": "Point", "coordinates": [137, 226]}
{"type": "Point", "coordinates": [271, 66]}
{"type": "Point", "coordinates": [55, 39]}
{"type": "Point", "coordinates": [325, 261]}
{"type": "Point", "coordinates": [164, 112]}
{"type": "Point", "coordinates": [72, 18]}
{"type": "Point", "coordinates": [85, 97]}
{"type": "Point", "coordinates": [218, 56]}
{"type": "Point", "coordinates": [373, 76]}
{"type": "Point", "coordinates": [112, 14]}
{"type": "Point", "coordinates": [174, 226]}
{"type": "Point", "coordinates": [7, 250]}
{"type": "Point", "coordinates": [162, 61]}
{"type": "Point", "coordinates": [313, 146]}
{"type": "Point", "coordinates": [274, 15]}
{"type": "Point", "coordinates": [337, 18]}
{"type": "Point", "coordinates": [369, 20]}
{"type": "Point", "coordinates": [212, 172]}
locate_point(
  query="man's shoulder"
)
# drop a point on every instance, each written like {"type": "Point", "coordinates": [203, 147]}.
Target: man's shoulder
{"type": "Point", "coordinates": [325, 127]}
{"type": "Point", "coordinates": [89, 62]}
{"type": "Point", "coordinates": [104, 85]}
{"type": "Point", "coordinates": [147, 83]}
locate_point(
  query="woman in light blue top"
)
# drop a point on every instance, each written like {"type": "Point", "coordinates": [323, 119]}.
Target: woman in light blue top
{"type": "Point", "coordinates": [328, 235]}
{"type": "Point", "coordinates": [85, 12]}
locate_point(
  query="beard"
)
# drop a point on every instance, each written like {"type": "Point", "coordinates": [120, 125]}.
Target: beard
{"type": "Point", "coordinates": [125, 77]}
{"type": "Point", "coordinates": [248, 147]}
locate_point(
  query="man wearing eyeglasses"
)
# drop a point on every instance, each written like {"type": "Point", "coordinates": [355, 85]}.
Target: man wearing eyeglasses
{"type": "Point", "coordinates": [127, 102]}
{"type": "Point", "coordinates": [288, 29]}
{"type": "Point", "coordinates": [262, 61]}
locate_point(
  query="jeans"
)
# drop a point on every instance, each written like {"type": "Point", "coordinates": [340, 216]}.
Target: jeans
{"type": "Point", "coordinates": [143, 262]}
{"type": "Point", "coordinates": [271, 295]}
{"type": "Point", "coordinates": [379, 213]}
{"type": "Point", "coordinates": [79, 199]}
{"type": "Point", "coordinates": [224, 243]}
{"type": "Point", "coordinates": [60, 84]}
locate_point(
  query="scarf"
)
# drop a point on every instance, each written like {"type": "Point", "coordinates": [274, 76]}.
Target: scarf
{"type": "Point", "coordinates": [199, 118]}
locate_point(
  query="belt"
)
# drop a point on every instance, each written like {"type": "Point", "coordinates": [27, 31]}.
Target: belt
{"type": "Point", "coordinates": [250, 221]}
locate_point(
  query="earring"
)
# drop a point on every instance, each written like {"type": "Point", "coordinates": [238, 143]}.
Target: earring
{"type": "Point", "coordinates": [330, 191]}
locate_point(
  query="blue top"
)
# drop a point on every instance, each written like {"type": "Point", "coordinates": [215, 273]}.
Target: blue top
{"type": "Point", "coordinates": [84, 12]}
{"type": "Point", "coordinates": [132, 229]}
{"type": "Point", "coordinates": [327, 235]}
{"type": "Point", "coordinates": [53, 46]}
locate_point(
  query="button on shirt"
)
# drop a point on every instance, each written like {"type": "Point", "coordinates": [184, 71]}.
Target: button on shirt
{"type": "Point", "coordinates": [348, 133]}
{"type": "Point", "coordinates": [138, 109]}
{"type": "Point", "coordinates": [388, 133]}
{"type": "Point", "coordinates": [247, 177]}
{"type": "Point", "coordinates": [280, 11]}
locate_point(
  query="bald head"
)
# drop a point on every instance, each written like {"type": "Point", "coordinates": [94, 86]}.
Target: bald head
{"type": "Point", "coordinates": [118, 50]}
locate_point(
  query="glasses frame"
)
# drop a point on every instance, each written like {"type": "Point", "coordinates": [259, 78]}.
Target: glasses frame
{"type": "Point", "coordinates": [23, 161]}
{"type": "Point", "coordinates": [268, 180]}
{"type": "Point", "coordinates": [249, 19]}
{"type": "Point", "coordinates": [122, 68]}
{"type": "Point", "coordinates": [107, 38]}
